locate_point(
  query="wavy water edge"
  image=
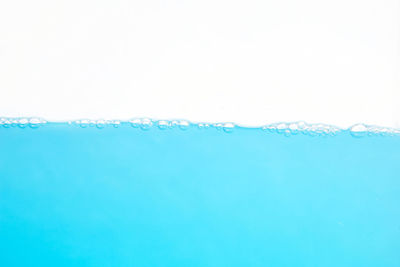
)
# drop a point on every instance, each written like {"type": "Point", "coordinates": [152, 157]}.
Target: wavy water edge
{"type": "Point", "coordinates": [286, 128]}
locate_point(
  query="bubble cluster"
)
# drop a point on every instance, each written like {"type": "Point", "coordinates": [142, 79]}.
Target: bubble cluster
{"type": "Point", "coordinates": [115, 123]}
{"type": "Point", "coordinates": [146, 124]}
{"type": "Point", "coordinates": [163, 125]}
{"type": "Point", "coordinates": [202, 125]}
{"type": "Point", "coordinates": [143, 123]}
{"type": "Point", "coordinates": [184, 125]}
{"type": "Point", "coordinates": [36, 122]}
{"type": "Point", "coordinates": [293, 128]}
{"type": "Point", "coordinates": [361, 130]}
{"type": "Point", "coordinates": [284, 128]}
{"type": "Point", "coordinates": [100, 124]}
{"type": "Point", "coordinates": [21, 122]}
{"type": "Point", "coordinates": [228, 127]}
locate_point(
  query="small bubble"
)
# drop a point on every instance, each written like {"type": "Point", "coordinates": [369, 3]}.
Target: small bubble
{"type": "Point", "coordinates": [270, 128]}
{"type": "Point", "coordinates": [184, 125]}
{"type": "Point", "coordinates": [135, 123]}
{"type": "Point", "coordinates": [218, 126]}
{"type": "Point", "coordinates": [281, 126]}
{"type": "Point", "coordinates": [283, 129]}
{"type": "Point", "coordinates": [294, 128]}
{"type": "Point", "coordinates": [228, 127]}
{"type": "Point", "coordinates": [83, 123]}
{"type": "Point", "coordinates": [302, 125]}
{"type": "Point", "coordinates": [174, 123]}
{"type": "Point", "coordinates": [162, 125]}
{"type": "Point", "coordinates": [5, 122]}
{"type": "Point", "coordinates": [35, 122]}
{"type": "Point", "coordinates": [22, 123]}
{"type": "Point", "coordinates": [146, 124]}
{"type": "Point", "coordinates": [100, 124]}
{"type": "Point", "coordinates": [14, 122]}
{"type": "Point", "coordinates": [203, 125]}
{"type": "Point", "coordinates": [114, 123]}
{"type": "Point", "coordinates": [359, 130]}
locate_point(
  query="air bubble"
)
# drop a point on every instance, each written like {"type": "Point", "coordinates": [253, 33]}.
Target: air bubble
{"type": "Point", "coordinates": [92, 123]}
{"type": "Point", "coordinates": [35, 122]}
{"type": "Point", "coordinates": [174, 123]}
{"type": "Point", "coordinates": [301, 125]}
{"type": "Point", "coordinates": [115, 123]}
{"type": "Point", "coordinates": [271, 128]}
{"type": "Point", "coordinates": [296, 127]}
{"type": "Point", "coordinates": [284, 128]}
{"type": "Point", "coordinates": [184, 125]}
{"type": "Point", "coordinates": [203, 125]}
{"type": "Point", "coordinates": [162, 125]}
{"type": "Point", "coordinates": [281, 126]}
{"type": "Point", "coordinates": [228, 127]}
{"type": "Point", "coordinates": [5, 122]}
{"type": "Point", "coordinates": [218, 126]}
{"type": "Point", "coordinates": [358, 130]}
{"type": "Point", "coordinates": [14, 122]}
{"type": "Point", "coordinates": [22, 123]}
{"type": "Point", "coordinates": [100, 124]}
{"type": "Point", "coordinates": [146, 124]}
{"type": "Point", "coordinates": [293, 127]}
{"type": "Point", "coordinates": [135, 123]}
{"type": "Point", "coordinates": [83, 123]}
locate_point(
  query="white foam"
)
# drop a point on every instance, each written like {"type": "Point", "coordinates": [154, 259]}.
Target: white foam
{"type": "Point", "coordinates": [285, 128]}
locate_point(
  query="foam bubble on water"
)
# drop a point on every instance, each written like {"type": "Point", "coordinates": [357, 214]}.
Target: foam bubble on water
{"type": "Point", "coordinates": [163, 124]}
{"type": "Point", "coordinates": [135, 123]}
{"type": "Point", "coordinates": [293, 128]}
{"type": "Point", "coordinates": [115, 123]}
{"type": "Point", "coordinates": [321, 129]}
{"type": "Point", "coordinates": [358, 130]}
{"type": "Point", "coordinates": [83, 123]}
{"type": "Point", "coordinates": [36, 122]}
{"type": "Point", "coordinates": [100, 124]}
{"type": "Point", "coordinates": [284, 128]}
{"type": "Point", "coordinates": [203, 125]}
{"type": "Point", "coordinates": [144, 123]}
{"type": "Point", "coordinates": [228, 127]}
{"type": "Point", "coordinates": [361, 130]}
{"type": "Point", "coordinates": [92, 123]}
{"type": "Point", "coordinates": [184, 125]}
{"type": "Point", "coordinates": [6, 123]}
{"type": "Point", "coordinates": [21, 122]}
{"type": "Point", "coordinates": [218, 126]}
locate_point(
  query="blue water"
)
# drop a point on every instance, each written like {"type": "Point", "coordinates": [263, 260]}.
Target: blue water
{"type": "Point", "coordinates": [197, 196]}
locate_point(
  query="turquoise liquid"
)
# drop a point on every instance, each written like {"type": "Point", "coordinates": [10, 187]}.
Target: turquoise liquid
{"type": "Point", "coordinates": [126, 196]}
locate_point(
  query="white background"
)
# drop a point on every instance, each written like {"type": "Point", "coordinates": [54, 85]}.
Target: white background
{"type": "Point", "coordinates": [251, 62]}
